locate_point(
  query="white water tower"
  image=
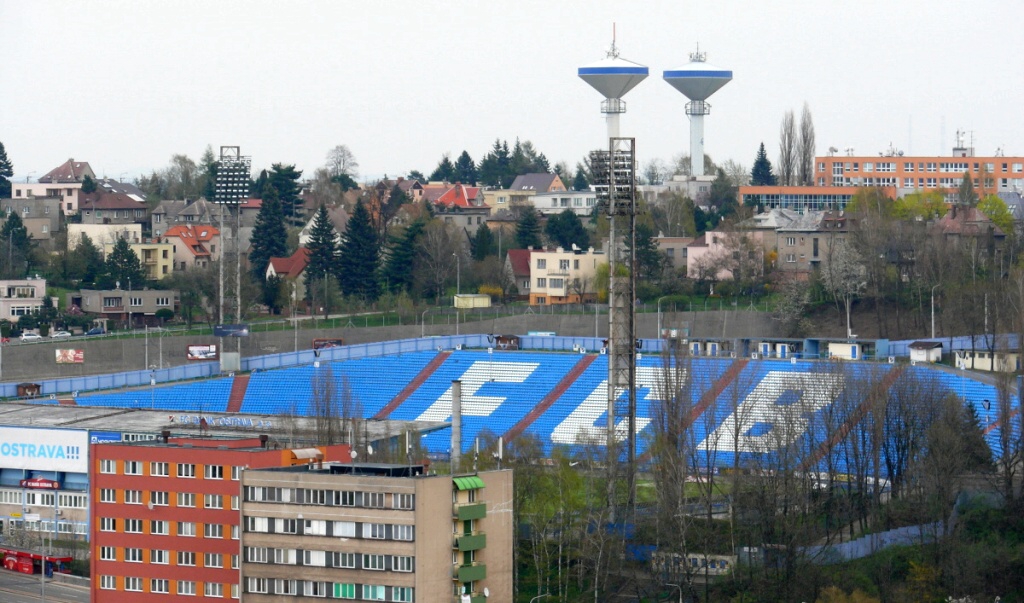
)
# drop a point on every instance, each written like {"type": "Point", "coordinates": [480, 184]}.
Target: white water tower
{"type": "Point", "coordinates": [613, 77]}
{"type": "Point", "coordinates": [698, 80]}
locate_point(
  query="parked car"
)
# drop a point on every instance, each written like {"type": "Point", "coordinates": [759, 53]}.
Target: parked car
{"type": "Point", "coordinates": [95, 331]}
{"type": "Point", "coordinates": [59, 334]}
{"type": "Point", "coordinates": [26, 336]}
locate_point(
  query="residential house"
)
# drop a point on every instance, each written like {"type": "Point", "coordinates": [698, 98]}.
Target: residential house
{"type": "Point", "coordinates": [41, 217]}
{"type": "Point", "coordinates": [517, 263]}
{"type": "Point", "coordinates": [503, 226]}
{"type": "Point", "coordinates": [810, 239]}
{"type": "Point", "coordinates": [111, 208]}
{"type": "Point", "coordinates": [528, 185]}
{"type": "Point", "coordinates": [432, 191]}
{"type": "Point", "coordinates": [19, 297]}
{"type": "Point", "coordinates": [63, 182]}
{"type": "Point", "coordinates": [181, 211]}
{"type": "Point", "coordinates": [564, 276]}
{"type": "Point", "coordinates": [193, 246]}
{"type": "Point", "coordinates": [464, 207]}
{"type": "Point", "coordinates": [497, 199]}
{"type": "Point", "coordinates": [291, 269]}
{"type": "Point", "coordinates": [582, 203]}
{"type": "Point", "coordinates": [967, 223]}
{"type": "Point", "coordinates": [157, 258]}
{"type": "Point", "coordinates": [104, 234]}
{"type": "Point", "coordinates": [719, 256]}
{"type": "Point", "coordinates": [338, 217]}
{"type": "Point", "coordinates": [136, 306]}
{"type": "Point", "coordinates": [674, 249]}
{"type": "Point", "coordinates": [413, 189]}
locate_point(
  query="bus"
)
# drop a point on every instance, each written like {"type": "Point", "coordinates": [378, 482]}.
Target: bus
{"type": "Point", "coordinates": [28, 561]}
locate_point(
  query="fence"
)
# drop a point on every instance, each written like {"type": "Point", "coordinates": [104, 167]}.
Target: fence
{"type": "Point", "coordinates": [872, 543]}
{"type": "Point", "coordinates": [1007, 341]}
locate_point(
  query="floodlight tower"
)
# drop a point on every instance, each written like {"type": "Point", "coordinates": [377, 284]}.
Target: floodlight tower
{"type": "Point", "coordinates": [697, 80]}
{"type": "Point", "coordinates": [614, 174]}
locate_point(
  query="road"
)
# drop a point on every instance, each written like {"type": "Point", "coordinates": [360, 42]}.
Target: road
{"type": "Point", "coordinates": [23, 588]}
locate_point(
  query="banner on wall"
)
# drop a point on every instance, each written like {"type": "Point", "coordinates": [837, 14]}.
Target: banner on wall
{"type": "Point", "coordinates": [202, 352]}
{"type": "Point", "coordinates": [63, 450]}
{"type": "Point", "coordinates": [70, 356]}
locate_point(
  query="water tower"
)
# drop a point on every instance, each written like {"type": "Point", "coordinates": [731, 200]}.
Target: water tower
{"type": "Point", "coordinates": [613, 77]}
{"type": "Point", "coordinates": [697, 80]}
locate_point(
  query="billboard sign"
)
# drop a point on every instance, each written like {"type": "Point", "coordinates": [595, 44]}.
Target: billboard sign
{"type": "Point", "coordinates": [44, 449]}
{"type": "Point", "coordinates": [96, 437]}
{"type": "Point", "coordinates": [206, 351]}
{"type": "Point", "coordinates": [70, 356]}
{"type": "Point", "coordinates": [325, 343]}
{"type": "Point", "coordinates": [231, 331]}
{"type": "Point", "coordinates": [39, 483]}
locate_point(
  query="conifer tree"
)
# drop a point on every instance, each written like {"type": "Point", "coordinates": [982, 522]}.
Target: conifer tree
{"type": "Point", "coordinates": [269, 237]}
{"type": "Point", "coordinates": [124, 267]}
{"type": "Point", "coordinates": [483, 243]}
{"type": "Point", "coordinates": [323, 258]}
{"type": "Point", "coordinates": [761, 174]}
{"type": "Point", "coordinates": [528, 230]}
{"type": "Point", "coordinates": [358, 257]}
{"type": "Point", "coordinates": [401, 259]}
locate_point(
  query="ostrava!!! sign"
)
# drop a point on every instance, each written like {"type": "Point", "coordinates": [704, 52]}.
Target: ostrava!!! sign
{"type": "Point", "coordinates": [44, 449]}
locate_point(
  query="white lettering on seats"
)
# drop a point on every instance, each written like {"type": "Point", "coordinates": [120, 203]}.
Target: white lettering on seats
{"type": "Point", "coordinates": [473, 379]}
{"type": "Point", "coordinates": [580, 426]}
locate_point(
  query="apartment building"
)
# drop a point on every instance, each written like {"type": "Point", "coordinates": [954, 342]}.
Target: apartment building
{"type": "Point", "coordinates": [63, 182]}
{"type": "Point", "coordinates": [376, 532]}
{"type": "Point", "coordinates": [157, 258]}
{"type": "Point", "coordinates": [19, 297]}
{"type": "Point", "coordinates": [137, 306]}
{"type": "Point", "coordinates": [165, 518]}
{"type": "Point", "coordinates": [563, 276]}
{"type": "Point", "coordinates": [581, 203]}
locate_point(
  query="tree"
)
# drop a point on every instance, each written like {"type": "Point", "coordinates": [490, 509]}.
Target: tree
{"type": "Point", "coordinates": [681, 165]}
{"type": "Point", "coordinates": [722, 196]}
{"type": "Point", "coordinates": [445, 171]}
{"type": "Point", "coordinates": [341, 161]}
{"type": "Point", "coordinates": [269, 236]}
{"type": "Point", "coordinates": [843, 277]}
{"type": "Point", "coordinates": [528, 230]}
{"type": "Point", "coordinates": [208, 173]}
{"type": "Point", "coordinates": [483, 243]}
{"type": "Point", "coordinates": [358, 257]}
{"type": "Point", "coordinates": [325, 189]}
{"type": "Point", "coordinates": [417, 175]}
{"type": "Point", "coordinates": [495, 167]}
{"type": "Point", "coordinates": [654, 172]}
{"type": "Point", "coordinates": [648, 258]}
{"type": "Point", "coordinates": [997, 211]}
{"type": "Point", "coordinates": [124, 267]}
{"type": "Point", "coordinates": [761, 174]}
{"type": "Point", "coordinates": [737, 173]}
{"type": "Point", "coordinates": [323, 258]}
{"type": "Point", "coordinates": [284, 179]}
{"type": "Point", "coordinates": [16, 250]}
{"type": "Point", "coordinates": [86, 262]}
{"type": "Point", "coordinates": [6, 172]}
{"type": "Point", "coordinates": [399, 267]}
{"type": "Point", "coordinates": [566, 229]}
{"type": "Point", "coordinates": [579, 182]}
{"type": "Point", "coordinates": [787, 150]}
{"type": "Point", "coordinates": [465, 169]}
{"type": "Point", "coordinates": [965, 195]}
{"type": "Point", "coordinates": [88, 185]}
{"type": "Point", "coordinates": [805, 149]}
{"type": "Point", "coordinates": [437, 247]}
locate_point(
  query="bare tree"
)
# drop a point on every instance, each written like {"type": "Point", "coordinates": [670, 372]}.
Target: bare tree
{"type": "Point", "coordinates": [324, 190]}
{"type": "Point", "coordinates": [654, 172]}
{"type": "Point", "coordinates": [787, 150]}
{"type": "Point", "coordinates": [843, 277]}
{"type": "Point", "coordinates": [737, 173]}
{"type": "Point", "coordinates": [440, 244]}
{"type": "Point", "coordinates": [805, 149]}
{"type": "Point", "coordinates": [341, 160]}
{"type": "Point", "coordinates": [335, 411]}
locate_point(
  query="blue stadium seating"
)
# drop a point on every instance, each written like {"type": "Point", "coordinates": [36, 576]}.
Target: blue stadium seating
{"type": "Point", "coordinates": [199, 396]}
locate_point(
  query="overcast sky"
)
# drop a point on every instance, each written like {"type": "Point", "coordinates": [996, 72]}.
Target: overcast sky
{"type": "Point", "coordinates": [124, 85]}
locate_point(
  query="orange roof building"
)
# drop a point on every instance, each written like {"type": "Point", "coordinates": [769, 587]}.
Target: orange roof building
{"type": "Point", "coordinates": [194, 246]}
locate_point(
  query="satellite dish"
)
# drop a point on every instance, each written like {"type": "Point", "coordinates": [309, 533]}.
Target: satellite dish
{"type": "Point", "coordinates": [150, 505]}
{"type": "Point", "coordinates": [487, 592]}
{"type": "Point", "coordinates": [369, 449]}
{"type": "Point", "coordinates": [354, 454]}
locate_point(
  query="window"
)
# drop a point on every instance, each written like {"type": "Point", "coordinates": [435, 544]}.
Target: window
{"type": "Point", "coordinates": [108, 582]}
{"type": "Point", "coordinates": [160, 527]}
{"type": "Point", "coordinates": [402, 501]}
{"type": "Point", "coordinates": [234, 532]}
{"type": "Point", "coordinates": [186, 470]}
{"type": "Point", "coordinates": [284, 526]}
{"type": "Point", "coordinates": [563, 264]}
{"type": "Point", "coordinates": [133, 497]}
{"type": "Point", "coordinates": [285, 587]}
{"type": "Point", "coordinates": [186, 528]}
{"type": "Point", "coordinates": [213, 501]}
{"type": "Point", "coordinates": [542, 263]}
{"type": "Point", "coordinates": [234, 562]}
{"type": "Point", "coordinates": [186, 587]}
{"type": "Point", "coordinates": [315, 527]}
{"type": "Point", "coordinates": [213, 560]}
{"type": "Point", "coordinates": [557, 283]}
{"type": "Point", "coordinates": [401, 564]}
{"type": "Point", "coordinates": [317, 558]}
{"type": "Point", "coordinates": [186, 558]}
{"type": "Point", "coordinates": [213, 530]}
{"type": "Point", "coordinates": [373, 530]}
{"type": "Point", "coordinates": [373, 562]}
{"type": "Point", "coordinates": [133, 584]}
{"type": "Point", "coordinates": [135, 302]}
{"type": "Point", "coordinates": [234, 591]}
{"type": "Point", "coordinates": [285, 556]}
{"type": "Point", "coordinates": [108, 466]}
{"type": "Point", "coordinates": [345, 560]}
{"type": "Point", "coordinates": [373, 500]}
{"type": "Point", "coordinates": [236, 472]}
{"type": "Point", "coordinates": [373, 592]}
{"type": "Point", "coordinates": [132, 555]}
{"type": "Point", "coordinates": [213, 472]}
{"type": "Point", "coordinates": [342, 591]}
{"type": "Point", "coordinates": [159, 557]}
{"type": "Point", "coordinates": [345, 529]}
{"type": "Point", "coordinates": [108, 524]}
{"type": "Point", "coordinates": [790, 257]}
{"type": "Point", "coordinates": [542, 282]}
{"type": "Point", "coordinates": [256, 554]}
{"type": "Point", "coordinates": [403, 532]}
{"type": "Point", "coordinates": [163, 301]}
{"type": "Point", "coordinates": [158, 585]}
{"type": "Point", "coordinates": [133, 526]}
{"type": "Point", "coordinates": [108, 495]}
{"type": "Point", "coordinates": [401, 593]}
{"type": "Point", "coordinates": [257, 585]}
{"type": "Point", "coordinates": [159, 499]}
{"type": "Point", "coordinates": [108, 553]}
{"type": "Point", "coordinates": [790, 241]}
{"type": "Point", "coordinates": [186, 499]}
{"type": "Point", "coordinates": [314, 497]}
{"type": "Point", "coordinates": [257, 524]}
{"type": "Point", "coordinates": [158, 470]}
{"type": "Point", "coordinates": [314, 589]}
{"type": "Point", "coordinates": [234, 503]}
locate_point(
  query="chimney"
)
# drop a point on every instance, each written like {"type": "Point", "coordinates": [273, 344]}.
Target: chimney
{"type": "Point", "coordinates": [456, 425]}
{"type": "Point", "coordinates": [263, 440]}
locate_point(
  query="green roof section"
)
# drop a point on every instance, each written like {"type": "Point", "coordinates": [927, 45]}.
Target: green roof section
{"type": "Point", "coordinates": [469, 482]}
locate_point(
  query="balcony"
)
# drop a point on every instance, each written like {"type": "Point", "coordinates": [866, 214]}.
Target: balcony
{"type": "Point", "coordinates": [470, 572]}
{"type": "Point", "coordinates": [470, 542]}
{"type": "Point", "coordinates": [467, 511]}
{"type": "Point", "coordinates": [474, 597]}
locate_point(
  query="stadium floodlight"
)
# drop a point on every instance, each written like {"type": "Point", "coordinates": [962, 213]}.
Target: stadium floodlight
{"type": "Point", "coordinates": [232, 181]}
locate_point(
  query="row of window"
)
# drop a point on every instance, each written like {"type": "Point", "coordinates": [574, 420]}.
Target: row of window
{"type": "Point", "coordinates": [163, 557]}
{"type": "Point", "coordinates": [162, 586]}
{"type": "Point", "coordinates": [336, 559]}
{"type": "Point", "coordinates": [46, 526]}
{"type": "Point", "coordinates": [958, 167]}
{"type": "Point", "coordinates": [159, 498]}
{"type": "Point", "coordinates": [161, 527]}
{"type": "Point", "coordinates": [162, 469]}
{"type": "Point", "coordinates": [320, 527]}
{"type": "Point", "coordinates": [308, 588]}
{"type": "Point", "coordinates": [542, 264]}
{"type": "Point", "coordinates": [43, 499]}
{"type": "Point", "coordinates": [335, 498]}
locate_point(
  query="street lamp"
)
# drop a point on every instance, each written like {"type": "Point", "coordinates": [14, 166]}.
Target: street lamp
{"type": "Point", "coordinates": [458, 274]}
{"type": "Point", "coordinates": [540, 597]}
{"type": "Point", "coordinates": [680, 588]}
{"type": "Point", "coordinates": [933, 311]}
{"type": "Point", "coordinates": [423, 323]}
{"type": "Point", "coordinates": [658, 335]}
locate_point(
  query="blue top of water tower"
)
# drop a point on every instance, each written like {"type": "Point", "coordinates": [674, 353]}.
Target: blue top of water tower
{"type": "Point", "coordinates": [613, 76]}
{"type": "Point", "coordinates": [698, 79]}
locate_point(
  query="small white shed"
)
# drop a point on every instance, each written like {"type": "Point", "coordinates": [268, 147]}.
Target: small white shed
{"type": "Point", "coordinates": [926, 351]}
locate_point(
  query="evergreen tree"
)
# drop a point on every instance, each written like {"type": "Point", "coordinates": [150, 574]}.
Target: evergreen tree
{"type": "Point", "coordinates": [124, 267]}
{"type": "Point", "coordinates": [649, 259]}
{"type": "Point", "coordinates": [323, 258]}
{"type": "Point", "coordinates": [483, 243]}
{"type": "Point", "coordinates": [15, 247]}
{"type": "Point", "coordinates": [285, 181]}
{"type": "Point", "coordinates": [87, 266]}
{"type": "Point", "coordinates": [6, 172]}
{"type": "Point", "coordinates": [761, 174]}
{"type": "Point", "coordinates": [398, 269]}
{"type": "Point", "coordinates": [358, 257]}
{"type": "Point", "coordinates": [966, 196]}
{"type": "Point", "coordinates": [579, 183]}
{"type": "Point", "coordinates": [417, 175]}
{"type": "Point", "coordinates": [465, 169]}
{"type": "Point", "coordinates": [208, 173]}
{"type": "Point", "coordinates": [566, 229]}
{"type": "Point", "coordinates": [445, 171]}
{"type": "Point", "coordinates": [528, 230]}
{"type": "Point", "coordinates": [269, 237]}
{"type": "Point", "coordinates": [88, 185]}
{"type": "Point", "coordinates": [722, 197]}
{"type": "Point", "coordinates": [495, 167]}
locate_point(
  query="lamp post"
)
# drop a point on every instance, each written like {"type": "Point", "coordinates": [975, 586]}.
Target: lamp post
{"type": "Point", "coordinates": [458, 274]}
{"type": "Point", "coordinates": [658, 334]}
{"type": "Point", "coordinates": [679, 588]}
{"type": "Point", "coordinates": [933, 311]}
{"type": "Point", "coordinates": [423, 323]}
{"type": "Point", "coordinates": [540, 597]}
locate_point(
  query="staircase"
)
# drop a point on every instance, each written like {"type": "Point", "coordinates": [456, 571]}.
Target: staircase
{"type": "Point", "coordinates": [238, 388]}
{"type": "Point", "coordinates": [551, 397]}
{"type": "Point", "coordinates": [413, 385]}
